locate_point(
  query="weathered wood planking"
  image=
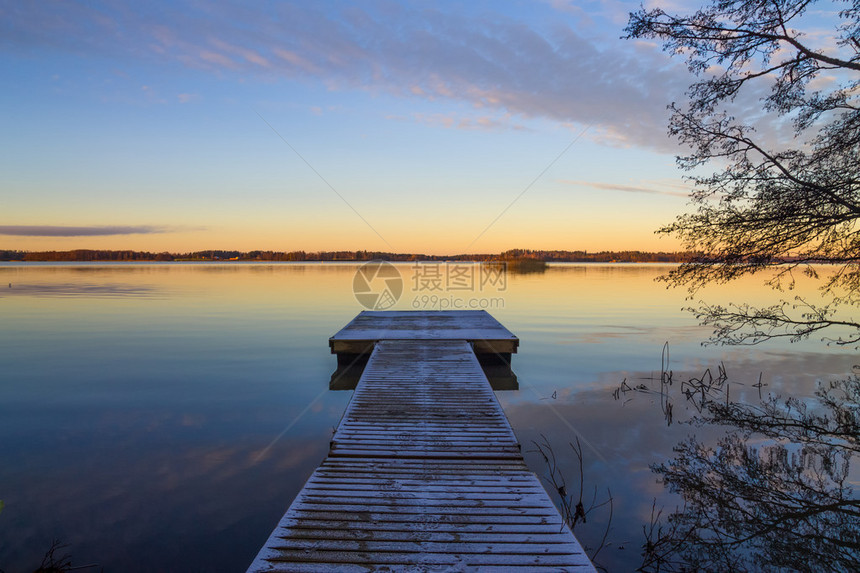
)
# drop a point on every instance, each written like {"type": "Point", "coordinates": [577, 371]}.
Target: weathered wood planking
{"type": "Point", "coordinates": [424, 474]}
{"type": "Point", "coordinates": [427, 399]}
{"type": "Point", "coordinates": [422, 515]}
{"type": "Point", "coordinates": [476, 326]}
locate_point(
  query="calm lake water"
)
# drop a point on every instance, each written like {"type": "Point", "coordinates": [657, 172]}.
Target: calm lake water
{"type": "Point", "coordinates": [161, 417]}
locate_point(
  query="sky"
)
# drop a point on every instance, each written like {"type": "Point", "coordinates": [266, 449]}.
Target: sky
{"type": "Point", "coordinates": [430, 127]}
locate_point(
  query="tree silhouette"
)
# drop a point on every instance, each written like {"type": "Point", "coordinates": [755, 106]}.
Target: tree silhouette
{"type": "Point", "coordinates": [773, 202]}
{"type": "Point", "coordinates": [773, 495]}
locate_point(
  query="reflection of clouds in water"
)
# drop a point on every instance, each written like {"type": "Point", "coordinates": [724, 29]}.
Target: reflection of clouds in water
{"type": "Point", "coordinates": [605, 333]}
{"type": "Point", "coordinates": [631, 434]}
{"type": "Point", "coordinates": [142, 430]}
{"type": "Point", "coordinates": [107, 511]}
{"type": "Point", "coordinates": [655, 334]}
{"type": "Point", "coordinates": [110, 478]}
{"type": "Point", "coordinates": [66, 290]}
{"type": "Point", "coordinates": [785, 371]}
{"type": "Point", "coordinates": [193, 420]}
{"type": "Point", "coordinates": [629, 439]}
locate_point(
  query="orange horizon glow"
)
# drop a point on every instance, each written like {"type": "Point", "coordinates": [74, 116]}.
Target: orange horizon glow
{"type": "Point", "coordinates": [413, 245]}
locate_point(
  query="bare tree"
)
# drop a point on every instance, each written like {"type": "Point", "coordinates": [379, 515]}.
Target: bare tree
{"type": "Point", "coordinates": [773, 495]}
{"type": "Point", "coordinates": [788, 204]}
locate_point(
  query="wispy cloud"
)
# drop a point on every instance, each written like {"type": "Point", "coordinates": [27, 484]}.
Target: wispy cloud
{"type": "Point", "coordinates": [92, 231]}
{"type": "Point", "coordinates": [546, 69]}
{"type": "Point", "coordinates": [187, 98]}
{"type": "Point", "coordinates": [465, 122]}
{"type": "Point", "coordinates": [671, 188]}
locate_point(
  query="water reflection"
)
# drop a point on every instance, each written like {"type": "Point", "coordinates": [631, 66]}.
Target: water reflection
{"type": "Point", "coordinates": [183, 406]}
{"type": "Point", "coordinates": [78, 290]}
{"type": "Point", "coordinates": [526, 266]}
{"type": "Point", "coordinates": [774, 494]}
{"type": "Point", "coordinates": [627, 437]}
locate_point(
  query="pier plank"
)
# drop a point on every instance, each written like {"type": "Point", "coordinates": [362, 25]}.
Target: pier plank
{"type": "Point", "coordinates": [476, 326]}
{"type": "Point", "coordinates": [424, 471]}
{"type": "Point", "coordinates": [427, 384]}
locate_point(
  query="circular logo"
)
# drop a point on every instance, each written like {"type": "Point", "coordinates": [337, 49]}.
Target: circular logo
{"type": "Point", "coordinates": [377, 285]}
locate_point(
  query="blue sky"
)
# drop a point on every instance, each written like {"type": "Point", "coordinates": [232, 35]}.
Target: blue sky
{"type": "Point", "coordinates": [415, 125]}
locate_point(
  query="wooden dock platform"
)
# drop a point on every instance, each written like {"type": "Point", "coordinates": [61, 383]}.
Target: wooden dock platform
{"type": "Point", "coordinates": [479, 327]}
{"type": "Point", "coordinates": [424, 471]}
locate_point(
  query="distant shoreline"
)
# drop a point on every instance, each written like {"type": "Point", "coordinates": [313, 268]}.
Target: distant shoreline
{"type": "Point", "coordinates": [514, 255]}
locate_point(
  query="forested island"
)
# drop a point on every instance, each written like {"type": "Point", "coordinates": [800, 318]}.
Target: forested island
{"type": "Point", "coordinates": [97, 255]}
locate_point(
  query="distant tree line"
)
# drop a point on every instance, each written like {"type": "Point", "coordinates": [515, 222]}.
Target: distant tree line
{"type": "Point", "coordinates": [84, 255]}
{"type": "Point", "coordinates": [90, 255]}
{"type": "Point", "coordinates": [595, 257]}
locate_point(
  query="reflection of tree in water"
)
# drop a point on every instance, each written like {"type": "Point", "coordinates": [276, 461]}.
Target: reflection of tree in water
{"type": "Point", "coordinates": [773, 494]}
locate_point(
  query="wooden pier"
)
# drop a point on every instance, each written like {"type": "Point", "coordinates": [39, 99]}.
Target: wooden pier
{"type": "Point", "coordinates": [424, 471]}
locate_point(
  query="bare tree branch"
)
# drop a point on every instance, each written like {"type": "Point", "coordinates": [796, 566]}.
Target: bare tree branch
{"type": "Point", "coordinates": [765, 208]}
